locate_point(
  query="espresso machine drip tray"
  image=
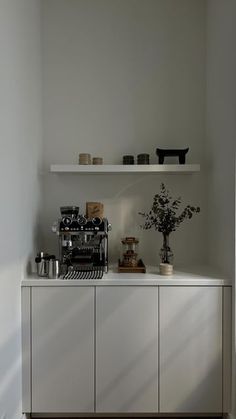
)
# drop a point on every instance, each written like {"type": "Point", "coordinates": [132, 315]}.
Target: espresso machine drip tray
{"type": "Point", "coordinates": [83, 272]}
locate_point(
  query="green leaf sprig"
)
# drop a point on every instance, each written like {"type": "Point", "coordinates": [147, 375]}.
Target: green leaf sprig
{"type": "Point", "coordinates": [163, 214]}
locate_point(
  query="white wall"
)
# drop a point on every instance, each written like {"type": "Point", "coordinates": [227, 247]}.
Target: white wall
{"type": "Point", "coordinates": [221, 130]}
{"type": "Point", "coordinates": [20, 138]}
{"type": "Point", "coordinates": [119, 77]}
{"type": "Point", "coordinates": [221, 138]}
{"type": "Point", "coordinates": [124, 77]}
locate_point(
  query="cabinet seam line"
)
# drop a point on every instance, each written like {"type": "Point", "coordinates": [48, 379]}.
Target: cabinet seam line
{"type": "Point", "coordinates": [95, 352]}
{"type": "Point", "coordinates": [158, 349]}
{"type": "Point", "coordinates": [222, 343]}
{"type": "Point", "coordinates": [31, 353]}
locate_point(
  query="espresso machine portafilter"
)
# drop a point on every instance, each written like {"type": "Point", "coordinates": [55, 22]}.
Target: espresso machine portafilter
{"type": "Point", "coordinates": [83, 244]}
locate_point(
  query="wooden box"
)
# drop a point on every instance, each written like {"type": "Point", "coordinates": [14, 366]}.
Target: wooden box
{"type": "Point", "coordinates": [94, 209]}
{"type": "Point", "coordinates": [140, 268]}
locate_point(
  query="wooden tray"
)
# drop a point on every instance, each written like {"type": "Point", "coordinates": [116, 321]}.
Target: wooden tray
{"type": "Point", "coordinates": [140, 269]}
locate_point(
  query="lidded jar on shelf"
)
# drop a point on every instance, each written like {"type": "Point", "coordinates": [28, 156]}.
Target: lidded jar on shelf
{"type": "Point", "coordinates": [130, 251]}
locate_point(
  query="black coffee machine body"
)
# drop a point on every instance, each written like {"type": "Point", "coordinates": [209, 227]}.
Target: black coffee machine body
{"type": "Point", "coordinates": [83, 244]}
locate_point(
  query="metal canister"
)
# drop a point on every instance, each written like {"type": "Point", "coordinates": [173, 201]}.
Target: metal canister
{"type": "Point", "coordinates": [42, 263]}
{"type": "Point", "coordinates": [143, 158]}
{"type": "Point", "coordinates": [128, 159]}
{"type": "Point", "coordinates": [54, 269]}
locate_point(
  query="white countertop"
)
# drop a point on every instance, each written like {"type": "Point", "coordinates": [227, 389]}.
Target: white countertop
{"type": "Point", "coordinates": [203, 276]}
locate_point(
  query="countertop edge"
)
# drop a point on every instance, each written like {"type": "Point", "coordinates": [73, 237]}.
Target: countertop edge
{"type": "Point", "coordinates": [124, 282]}
{"type": "Point", "coordinates": [192, 277]}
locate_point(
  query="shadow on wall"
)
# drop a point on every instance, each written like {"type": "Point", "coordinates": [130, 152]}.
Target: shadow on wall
{"type": "Point", "coordinates": [36, 245]}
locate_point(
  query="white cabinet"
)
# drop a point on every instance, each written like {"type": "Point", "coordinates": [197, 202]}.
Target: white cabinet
{"type": "Point", "coordinates": [62, 349]}
{"type": "Point", "coordinates": [127, 349]}
{"type": "Point", "coordinates": [191, 349]}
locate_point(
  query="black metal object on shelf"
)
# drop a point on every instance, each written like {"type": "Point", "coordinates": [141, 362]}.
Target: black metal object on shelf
{"type": "Point", "coordinates": [178, 152]}
{"type": "Point", "coordinates": [128, 159]}
{"type": "Point", "coordinates": [143, 158]}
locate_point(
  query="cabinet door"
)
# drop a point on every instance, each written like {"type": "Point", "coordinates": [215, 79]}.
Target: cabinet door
{"type": "Point", "coordinates": [191, 349]}
{"type": "Point", "coordinates": [126, 352]}
{"type": "Point", "coordinates": [63, 349]}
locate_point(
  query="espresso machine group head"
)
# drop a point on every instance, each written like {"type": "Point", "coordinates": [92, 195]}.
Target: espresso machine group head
{"type": "Point", "coordinates": [83, 244]}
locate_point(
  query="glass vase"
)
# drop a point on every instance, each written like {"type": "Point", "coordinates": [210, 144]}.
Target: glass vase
{"type": "Point", "coordinates": [166, 253]}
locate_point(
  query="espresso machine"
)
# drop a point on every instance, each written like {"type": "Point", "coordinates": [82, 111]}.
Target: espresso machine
{"type": "Point", "coordinates": [83, 244]}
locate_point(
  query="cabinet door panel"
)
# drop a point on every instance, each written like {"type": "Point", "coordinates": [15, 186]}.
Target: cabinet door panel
{"type": "Point", "coordinates": [191, 349]}
{"type": "Point", "coordinates": [63, 349]}
{"type": "Point", "coordinates": [127, 348]}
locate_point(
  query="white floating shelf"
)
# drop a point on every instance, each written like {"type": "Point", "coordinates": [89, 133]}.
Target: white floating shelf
{"type": "Point", "coordinates": [125, 169]}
